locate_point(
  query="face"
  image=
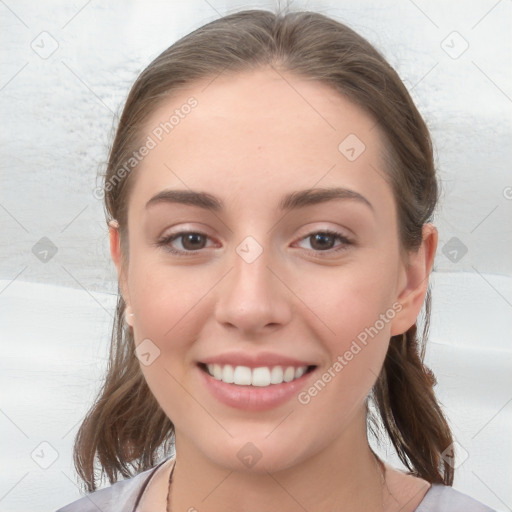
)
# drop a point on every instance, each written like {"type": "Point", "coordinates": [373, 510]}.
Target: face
{"type": "Point", "coordinates": [285, 277]}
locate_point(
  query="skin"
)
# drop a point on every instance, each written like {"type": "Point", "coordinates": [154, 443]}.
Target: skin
{"type": "Point", "coordinates": [253, 138]}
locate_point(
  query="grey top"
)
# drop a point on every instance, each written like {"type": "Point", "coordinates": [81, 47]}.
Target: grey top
{"type": "Point", "coordinates": [125, 495]}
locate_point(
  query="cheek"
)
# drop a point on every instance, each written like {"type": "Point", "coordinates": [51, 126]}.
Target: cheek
{"type": "Point", "coordinates": [354, 313]}
{"type": "Point", "coordinates": [165, 300]}
{"type": "Point", "coordinates": [349, 302]}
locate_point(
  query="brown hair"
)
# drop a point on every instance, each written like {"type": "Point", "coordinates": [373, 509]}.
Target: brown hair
{"type": "Point", "coordinates": [126, 431]}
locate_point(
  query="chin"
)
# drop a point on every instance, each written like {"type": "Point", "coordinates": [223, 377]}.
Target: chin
{"type": "Point", "coordinates": [255, 453]}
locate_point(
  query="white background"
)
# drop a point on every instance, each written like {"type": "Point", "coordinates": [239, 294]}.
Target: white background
{"type": "Point", "coordinates": [57, 116]}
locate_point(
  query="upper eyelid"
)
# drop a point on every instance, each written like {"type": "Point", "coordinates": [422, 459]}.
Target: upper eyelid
{"type": "Point", "coordinates": [349, 233]}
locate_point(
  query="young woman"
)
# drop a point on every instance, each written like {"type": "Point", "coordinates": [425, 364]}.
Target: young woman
{"type": "Point", "coordinates": [269, 195]}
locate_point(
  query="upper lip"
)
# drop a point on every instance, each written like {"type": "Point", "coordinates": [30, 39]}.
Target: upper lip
{"type": "Point", "coordinates": [255, 360]}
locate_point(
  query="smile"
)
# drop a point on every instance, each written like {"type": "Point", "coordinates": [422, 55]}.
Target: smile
{"type": "Point", "coordinates": [263, 376]}
{"type": "Point", "coordinates": [255, 382]}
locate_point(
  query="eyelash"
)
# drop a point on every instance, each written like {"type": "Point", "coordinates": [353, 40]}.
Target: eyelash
{"type": "Point", "coordinates": [166, 241]}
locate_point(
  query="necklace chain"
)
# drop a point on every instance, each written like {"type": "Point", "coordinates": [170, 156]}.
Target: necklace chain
{"type": "Point", "coordinates": [168, 501]}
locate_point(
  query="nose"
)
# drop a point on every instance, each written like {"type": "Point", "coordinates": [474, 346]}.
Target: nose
{"type": "Point", "coordinates": [253, 297]}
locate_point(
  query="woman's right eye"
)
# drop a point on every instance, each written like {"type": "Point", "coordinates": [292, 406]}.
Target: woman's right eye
{"type": "Point", "coordinates": [190, 242]}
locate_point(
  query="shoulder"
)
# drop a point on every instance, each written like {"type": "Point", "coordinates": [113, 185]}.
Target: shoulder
{"type": "Point", "coordinates": [441, 498]}
{"type": "Point", "coordinates": [119, 497]}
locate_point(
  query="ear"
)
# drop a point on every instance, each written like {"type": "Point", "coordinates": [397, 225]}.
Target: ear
{"type": "Point", "coordinates": [414, 281]}
{"type": "Point", "coordinates": [117, 258]}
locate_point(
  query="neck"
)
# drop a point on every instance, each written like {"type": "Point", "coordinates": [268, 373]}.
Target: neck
{"type": "Point", "coordinates": [343, 475]}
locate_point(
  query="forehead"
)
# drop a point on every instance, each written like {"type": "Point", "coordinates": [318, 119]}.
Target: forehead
{"type": "Point", "coordinates": [258, 132]}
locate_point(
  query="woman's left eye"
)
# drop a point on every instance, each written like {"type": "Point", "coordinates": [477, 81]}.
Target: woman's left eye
{"type": "Point", "coordinates": [323, 241]}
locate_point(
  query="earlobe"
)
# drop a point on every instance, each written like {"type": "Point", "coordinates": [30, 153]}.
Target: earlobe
{"type": "Point", "coordinates": [417, 272]}
{"type": "Point", "coordinates": [128, 316]}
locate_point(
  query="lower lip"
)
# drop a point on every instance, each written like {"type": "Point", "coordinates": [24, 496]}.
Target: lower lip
{"type": "Point", "coordinates": [253, 398]}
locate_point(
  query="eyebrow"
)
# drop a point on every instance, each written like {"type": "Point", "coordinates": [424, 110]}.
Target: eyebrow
{"type": "Point", "coordinates": [292, 201]}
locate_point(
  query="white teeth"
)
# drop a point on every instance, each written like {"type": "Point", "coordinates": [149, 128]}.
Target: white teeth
{"type": "Point", "coordinates": [276, 376]}
{"type": "Point", "coordinates": [299, 372]}
{"type": "Point", "coordinates": [217, 371]}
{"type": "Point", "coordinates": [228, 374]}
{"type": "Point", "coordinates": [260, 377]}
{"type": "Point", "coordinates": [289, 374]}
{"type": "Point", "coordinates": [242, 376]}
